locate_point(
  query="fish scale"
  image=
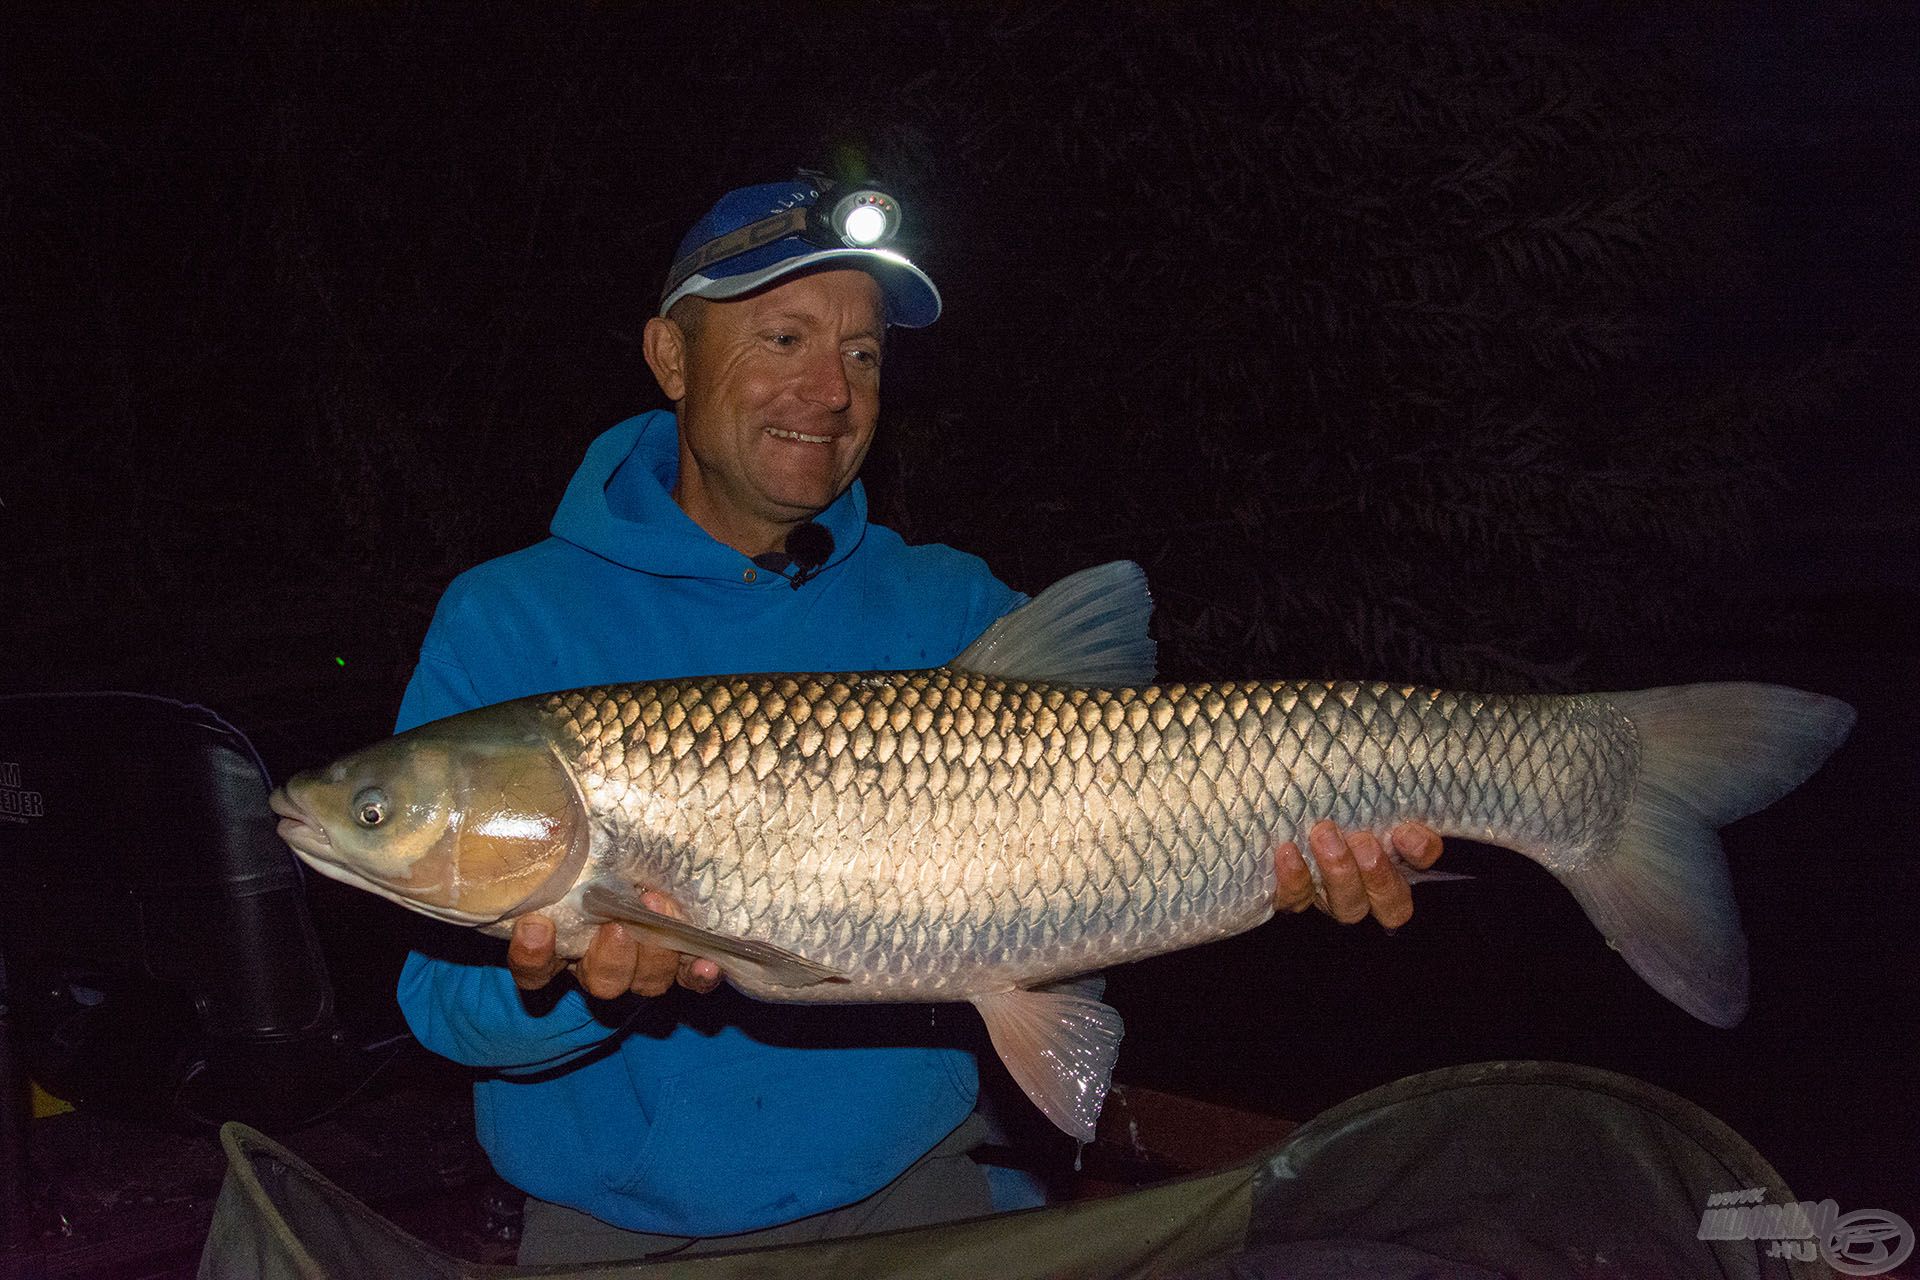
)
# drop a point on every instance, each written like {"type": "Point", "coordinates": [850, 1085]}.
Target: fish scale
{"type": "Point", "coordinates": [1035, 810]}
{"type": "Point", "coordinates": [934, 834]}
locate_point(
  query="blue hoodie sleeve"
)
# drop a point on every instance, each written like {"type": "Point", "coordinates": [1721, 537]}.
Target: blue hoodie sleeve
{"type": "Point", "coordinates": [442, 684]}
{"type": "Point", "coordinates": [470, 1013]}
{"type": "Point", "coordinates": [474, 1015]}
{"type": "Point", "coordinates": [439, 688]}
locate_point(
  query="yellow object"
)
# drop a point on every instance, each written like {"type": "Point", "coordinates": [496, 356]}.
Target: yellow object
{"type": "Point", "coordinates": [44, 1103]}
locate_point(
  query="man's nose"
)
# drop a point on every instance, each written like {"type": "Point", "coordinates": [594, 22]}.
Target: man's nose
{"type": "Point", "coordinates": [826, 381]}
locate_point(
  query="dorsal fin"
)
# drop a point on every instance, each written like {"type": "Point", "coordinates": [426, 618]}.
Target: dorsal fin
{"type": "Point", "coordinates": [1088, 628]}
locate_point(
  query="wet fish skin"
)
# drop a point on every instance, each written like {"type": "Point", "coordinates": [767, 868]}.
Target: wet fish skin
{"type": "Point", "coordinates": [932, 835]}
{"type": "Point", "coordinates": [1038, 809]}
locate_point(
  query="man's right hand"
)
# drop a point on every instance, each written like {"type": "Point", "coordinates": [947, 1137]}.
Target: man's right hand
{"type": "Point", "coordinates": [616, 962]}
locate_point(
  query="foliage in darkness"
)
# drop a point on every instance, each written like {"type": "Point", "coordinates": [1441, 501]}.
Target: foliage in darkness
{"type": "Point", "coordinates": [1365, 332]}
{"type": "Point", "coordinates": [1365, 328]}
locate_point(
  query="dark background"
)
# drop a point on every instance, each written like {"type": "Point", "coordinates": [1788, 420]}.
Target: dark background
{"type": "Point", "coordinates": [1513, 346]}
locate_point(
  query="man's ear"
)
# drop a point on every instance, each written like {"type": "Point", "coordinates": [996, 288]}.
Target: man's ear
{"type": "Point", "coordinates": [665, 346]}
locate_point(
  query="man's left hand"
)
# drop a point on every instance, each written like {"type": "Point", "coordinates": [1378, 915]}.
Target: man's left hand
{"type": "Point", "coordinates": [1357, 877]}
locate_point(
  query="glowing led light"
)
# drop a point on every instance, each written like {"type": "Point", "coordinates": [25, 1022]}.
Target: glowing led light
{"type": "Point", "coordinates": [340, 662]}
{"type": "Point", "coordinates": [866, 225]}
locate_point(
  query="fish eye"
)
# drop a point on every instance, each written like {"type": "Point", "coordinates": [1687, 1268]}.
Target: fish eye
{"type": "Point", "coordinates": [370, 807]}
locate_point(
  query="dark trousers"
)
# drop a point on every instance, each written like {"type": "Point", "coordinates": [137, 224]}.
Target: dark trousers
{"type": "Point", "coordinates": [942, 1186]}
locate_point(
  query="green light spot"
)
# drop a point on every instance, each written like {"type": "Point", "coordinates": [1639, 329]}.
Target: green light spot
{"type": "Point", "coordinates": [849, 161]}
{"type": "Point", "coordinates": [340, 661]}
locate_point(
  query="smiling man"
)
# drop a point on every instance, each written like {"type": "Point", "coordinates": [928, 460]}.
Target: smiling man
{"type": "Point", "coordinates": [778, 410]}
{"type": "Point", "coordinates": [727, 535]}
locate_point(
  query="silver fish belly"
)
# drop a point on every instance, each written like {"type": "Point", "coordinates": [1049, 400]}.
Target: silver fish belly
{"type": "Point", "coordinates": [934, 835]}
{"type": "Point", "coordinates": [1038, 809]}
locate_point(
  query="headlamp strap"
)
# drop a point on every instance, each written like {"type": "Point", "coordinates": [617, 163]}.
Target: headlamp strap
{"type": "Point", "coordinates": [785, 223]}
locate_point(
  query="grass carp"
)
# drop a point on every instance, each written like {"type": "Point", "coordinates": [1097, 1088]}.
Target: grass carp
{"type": "Point", "coordinates": [1037, 810]}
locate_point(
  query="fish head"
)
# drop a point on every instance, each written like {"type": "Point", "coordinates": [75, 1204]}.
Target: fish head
{"type": "Point", "coordinates": [471, 819]}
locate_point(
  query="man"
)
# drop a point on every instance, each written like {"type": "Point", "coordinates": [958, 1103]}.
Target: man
{"type": "Point", "coordinates": [642, 1126]}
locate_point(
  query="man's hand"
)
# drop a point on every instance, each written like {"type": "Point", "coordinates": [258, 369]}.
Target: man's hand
{"type": "Point", "coordinates": [1357, 877]}
{"type": "Point", "coordinates": [616, 962]}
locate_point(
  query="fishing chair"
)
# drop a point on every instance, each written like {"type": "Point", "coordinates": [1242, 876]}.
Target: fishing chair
{"type": "Point", "coordinates": [156, 953]}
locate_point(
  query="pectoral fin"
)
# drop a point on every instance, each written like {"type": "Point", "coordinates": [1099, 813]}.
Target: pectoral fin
{"type": "Point", "coordinates": [1060, 1044]}
{"type": "Point", "coordinates": [1416, 875]}
{"type": "Point", "coordinates": [762, 961]}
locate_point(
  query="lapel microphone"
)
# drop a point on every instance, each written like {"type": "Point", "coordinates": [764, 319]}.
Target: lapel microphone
{"type": "Point", "coordinates": [809, 546]}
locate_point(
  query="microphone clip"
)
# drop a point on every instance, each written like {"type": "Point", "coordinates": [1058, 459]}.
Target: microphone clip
{"type": "Point", "coordinates": [808, 546]}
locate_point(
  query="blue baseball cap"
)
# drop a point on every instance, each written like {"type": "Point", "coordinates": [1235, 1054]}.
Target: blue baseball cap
{"type": "Point", "coordinates": [726, 254]}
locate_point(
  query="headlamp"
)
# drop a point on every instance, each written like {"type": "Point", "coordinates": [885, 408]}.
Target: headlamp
{"type": "Point", "coordinates": [864, 218]}
{"type": "Point", "coordinates": [857, 218]}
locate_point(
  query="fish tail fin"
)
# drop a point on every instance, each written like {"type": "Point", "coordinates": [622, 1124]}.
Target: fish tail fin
{"type": "Point", "coordinates": [1709, 753]}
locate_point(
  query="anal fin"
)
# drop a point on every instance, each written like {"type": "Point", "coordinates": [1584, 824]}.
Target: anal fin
{"type": "Point", "coordinates": [771, 965]}
{"type": "Point", "coordinates": [1060, 1044]}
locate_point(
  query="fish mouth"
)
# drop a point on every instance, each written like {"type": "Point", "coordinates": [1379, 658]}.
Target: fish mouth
{"type": "Point", "coordinates": [307, 838]}
{"type": "Point", "coordinates": [297, 827]}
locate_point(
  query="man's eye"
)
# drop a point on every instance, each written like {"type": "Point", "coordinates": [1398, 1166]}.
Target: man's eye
{"type": "Point", "coordinates": [783, 339]}
{"type": "Point", "coordinates": [861, 356]}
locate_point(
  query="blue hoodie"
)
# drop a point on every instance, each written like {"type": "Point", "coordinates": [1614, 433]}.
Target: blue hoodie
{"type": "Point", "coordinates": [698, 1115]}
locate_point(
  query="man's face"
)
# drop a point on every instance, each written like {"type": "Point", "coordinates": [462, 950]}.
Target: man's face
{"type": "Point", "coordinates": [778, 393]}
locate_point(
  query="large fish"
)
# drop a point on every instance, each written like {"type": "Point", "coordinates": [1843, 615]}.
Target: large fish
{"type": "Point", "coordinates": [1038, 810]}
